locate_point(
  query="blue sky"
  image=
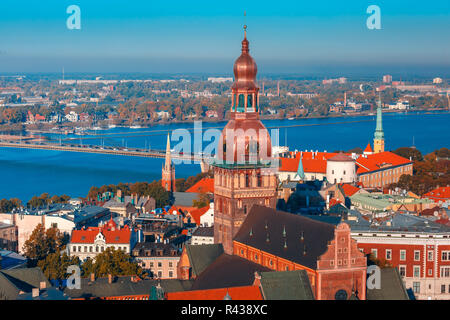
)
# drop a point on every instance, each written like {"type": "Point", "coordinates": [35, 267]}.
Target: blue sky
{"type": "Point", "coordinates": [204, 36]}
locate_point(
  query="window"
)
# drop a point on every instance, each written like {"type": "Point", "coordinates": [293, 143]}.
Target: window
{"type": "Point", "coordinates": [402, 271]}
{"type": "Point", "coordinates": [256, 257]}
{"type": "Point", "coordinates": [159, 274]}
{"type": "Point", "coordinates": [159, 264]}
{"type": "Point", "coordinates": [170, 274]}
{"type": "Point", "coordinates": [417, 271]}
{"type": "Point", "coordinates": [388, 254]}
{"type": "Point", "coordinates": [445, 272]}
{"type": "Point", "coordinates": [403, 255]}
{"type": "Point", "coordinates": [430, 272]}
{"type": "Point", "coordinates": [374, 253]}
{"type": "Point", "coordinates": [151, 264]}
{"type": "Point", "coordinates": [416, 255]}
{"type": "Point", "coordinates": [74, 249]}
{"type": "Point", "coordinates": [443, 288]}
{"type": "Point", "coordinates": [430, 255]}
{"type": "Point", "coordinates": [170, 264]}
{"type": "Point", "coordinates": [416, 287]}
{"type": "Point", "coordinates": [445, 255]}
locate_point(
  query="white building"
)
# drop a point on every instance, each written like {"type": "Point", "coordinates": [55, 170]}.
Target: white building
{"type": "Point", "coordinates": [203, 235]}
{"type": "Point", "coordinates": [72, 116]}
{"type": "Point", "coordinates": [341, 169]}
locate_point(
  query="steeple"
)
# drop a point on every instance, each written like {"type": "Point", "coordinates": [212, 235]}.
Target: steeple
{"type": "Point", "coordinates": [300, 172]}
{"type": "Point", "coordinates": [168, 171]}
{"type": "Point", "coordinates": [168, 163]}
{"type": "Point", "coordinates": [378, 141]}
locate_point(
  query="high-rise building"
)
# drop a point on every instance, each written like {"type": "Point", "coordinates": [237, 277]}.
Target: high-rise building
{"type": "Point", "coordinates": [242, 170]}
{"type": "Point", "coordinates": [387, 78]}
{"type": "Point", "coordinates": [378, 141]}
{"type": "Point", "coordinates": [168, 171]}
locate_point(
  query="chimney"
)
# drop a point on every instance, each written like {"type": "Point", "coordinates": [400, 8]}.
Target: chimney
{"type": "Point", "coordinates": [42, 285]}
{"type": "Point", "coordinates": [92, 277]}
{"type": "Point", "coordinates": [35, 292]}
{"type": "Point", "coordinates": [110, 278]}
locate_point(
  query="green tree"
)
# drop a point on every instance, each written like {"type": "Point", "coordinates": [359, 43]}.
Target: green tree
{"type": "Point", "coordinates": [54, 266]}
{"type": "Point", "coordinates": [114, 262]}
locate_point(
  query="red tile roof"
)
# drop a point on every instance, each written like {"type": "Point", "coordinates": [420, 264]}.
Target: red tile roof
{"type": "Point", "coordinates": [349, 189]}
{"type": "Point", "coordinates": [333, 202]}
{"type": "Point", "coordinates": [236, 293]}
{"type": "Point", "coordinates": [196, 214]}
{"type": "Point", "coordinates": [368, 148]}
{"type": "Point", "coordinates": [205, 185]}
{"type": "Point", "coordinates": [373, 162]}
{"type": "Point", "coordinates": [112, 233]}
{"type": "Point", "coordinates": [442, 193]}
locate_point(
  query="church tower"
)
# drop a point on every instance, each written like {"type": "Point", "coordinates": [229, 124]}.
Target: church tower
{"type": "Point", "coordinates": [378, 141]}
{"type": "Point", "coordinates": [168, 171]}
{"type": "Point", "coordinates": [243, 168]}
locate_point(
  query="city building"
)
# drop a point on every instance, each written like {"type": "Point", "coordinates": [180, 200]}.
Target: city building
{"type": "Point", "coordinates": [205, 185]}
{"type": "Point", "coordinates": [242, 170]}
{"type": "Point", "coordinates": [203, 235]}
{"type": "Point", "coordinates": [387, 78]}
{"type": "Point", "coordinates": [282, 241]}
{"type": "Point", "coordinates": [437, 80]}
{"type": "Point", "coordinates": [341, 169]}
{"type": "Point", "coordinates": [161, 259]}
{"type": "Point", "coordinates": [88, 242]}
{"type": "Point", "coordinates": [168, 171]}
{"type": "Point", "coordinates": [8, 237]}
{"type": "Point", "coordinates": [416, 246]}
{"type": "Point", "coordinates": [204, 216]}
{"type": "Point", "coordinates": [380, 169]}
{"type": "Point", "coordinates": [440, 195]}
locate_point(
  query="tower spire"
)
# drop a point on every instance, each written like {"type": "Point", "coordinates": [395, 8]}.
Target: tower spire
{"type": "Point", "coordinates": [168, 171]}
{"type": "Point", "coordinates": [378, 141]}
{"type": "Point", "coordinates": [168, 163]}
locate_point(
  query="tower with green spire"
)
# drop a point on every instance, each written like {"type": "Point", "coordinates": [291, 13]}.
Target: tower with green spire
{"type": "Point", "coordinates": [378, 140]}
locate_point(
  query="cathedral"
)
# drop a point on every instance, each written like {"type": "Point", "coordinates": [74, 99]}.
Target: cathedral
{"type": "Point", "coordinates": [243, 169]}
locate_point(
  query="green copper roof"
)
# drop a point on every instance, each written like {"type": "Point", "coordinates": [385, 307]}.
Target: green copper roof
{"type": "Point", "coordinates": [379, 134]}
{"type": "Point", "coordinates": [300, 172]}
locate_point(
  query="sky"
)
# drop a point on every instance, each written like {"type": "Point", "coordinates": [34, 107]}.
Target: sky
{"type": "Point", "coordinates": [204, 36]}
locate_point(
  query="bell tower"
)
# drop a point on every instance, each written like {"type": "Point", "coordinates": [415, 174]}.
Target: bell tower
{"type": "Point", "coordinates": [243, 168]}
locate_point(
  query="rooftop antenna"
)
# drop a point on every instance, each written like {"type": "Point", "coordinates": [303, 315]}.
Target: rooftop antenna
{"type": "Point", "coordinates": [63, 73]}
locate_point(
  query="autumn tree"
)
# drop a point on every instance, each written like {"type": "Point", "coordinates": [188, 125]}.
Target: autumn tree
{"type": "Point", "coordinates": [42, 243]}
{"type": "Point", "coordinates": [202, 201]}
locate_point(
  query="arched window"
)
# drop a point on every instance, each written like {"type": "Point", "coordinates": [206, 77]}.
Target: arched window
{"type": "Point", "coordinates": [250, 101]}
{"type": "Point", "coordinates": [241, 101]}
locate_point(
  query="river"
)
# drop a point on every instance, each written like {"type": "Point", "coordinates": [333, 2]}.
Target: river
{"type": "Point", "coordinates": [25, 173]}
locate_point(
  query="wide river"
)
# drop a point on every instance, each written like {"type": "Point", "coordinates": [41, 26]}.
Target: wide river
{"type": "Point", "coordinates": [25, 173]}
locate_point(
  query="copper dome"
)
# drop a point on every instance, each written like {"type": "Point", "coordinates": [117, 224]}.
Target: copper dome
{"type": "Point", "coordinates": [245, 69]}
